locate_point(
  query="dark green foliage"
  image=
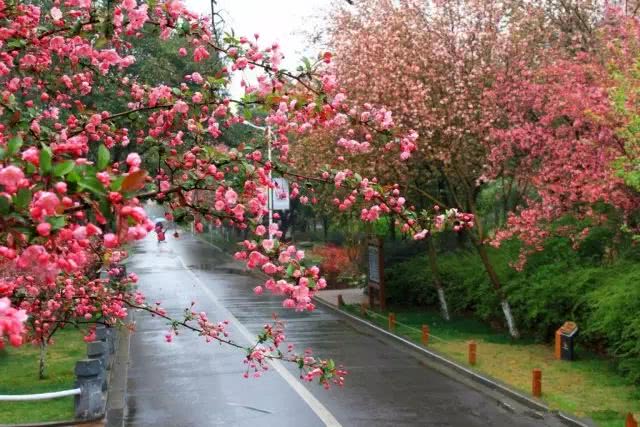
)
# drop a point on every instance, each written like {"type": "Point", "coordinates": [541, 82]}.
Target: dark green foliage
{"type": "Point", "coordinates": [593, 285]}
{"type": "Point", "coordinates": [615, 314]}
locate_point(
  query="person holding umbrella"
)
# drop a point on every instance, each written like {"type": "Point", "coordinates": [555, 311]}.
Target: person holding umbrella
{"type": "Point", "coordinates": [160, 232]}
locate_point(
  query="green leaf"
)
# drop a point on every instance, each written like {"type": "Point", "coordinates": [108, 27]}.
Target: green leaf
{"type": "Point", "coordinates": [22, 199]}
{"type": "Point", "coordinates": [307, 64]}
{"type": "Point", "coordinates": [101, 42]}
{"type": "Point", "coordinates": [16, 43]}
{"type": "Point", "coordinates": [63, 168]}
{"type": "Point", "coordinates": [331, 364]}
{"type": "Point", "coordinates": [92, 184]}
{"type": "Point", "coordinates": [73, 176]}
{"type": "Point", "coordinates": [14, 145]}
{"type": "Point", "coordinates": [57, 222]}
{"type": "Point", "coordinates": [4, 205]}
{"type": "Point", "coordinates": [105, 207]}
{"type": "Point", "coordinates": [103, 157]}
{"type": "Point", "coordinates": [45, 160]}
{"type": "Point", "coordinates": [116, 184]}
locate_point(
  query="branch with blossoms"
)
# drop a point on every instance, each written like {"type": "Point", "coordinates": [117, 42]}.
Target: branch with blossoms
{"type": "Point", "coordinates": [266, 348]}
{"type": "Point", "coordinates": [67, 201]}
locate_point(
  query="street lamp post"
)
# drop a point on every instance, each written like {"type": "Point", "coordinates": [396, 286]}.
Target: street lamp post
{"type": "Point", "coordinates": [269, 135]}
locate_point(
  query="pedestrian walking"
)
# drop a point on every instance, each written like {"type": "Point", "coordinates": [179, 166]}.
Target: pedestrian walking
{"type": "Point", "coordinates": [160, 232]}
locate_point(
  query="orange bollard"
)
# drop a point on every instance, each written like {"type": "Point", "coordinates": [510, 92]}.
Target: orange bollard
{"type": "Point", "coordinates": [536, 386]}
{"type": "Point", "coordinates": [392, 321]}
{"type": "Point", "coordinates": [340, 301]}
{"type": "Point", "coordinates": [363, 310]}
{"type": "Point", "coordinates": [425, 334]}
{"type": "Point", "coordinates": [472, 353]}
{"type": "Point", "coordinates": [631, 421]}
{"type": "Point", "coordinates": [558, 344]}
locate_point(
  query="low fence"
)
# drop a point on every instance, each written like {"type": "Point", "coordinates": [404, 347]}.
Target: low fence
{"type": "Point", "coordinates": [92, 378]}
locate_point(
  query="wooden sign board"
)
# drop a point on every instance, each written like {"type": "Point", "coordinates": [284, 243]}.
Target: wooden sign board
{"type": "Point", "coordinates": [374, 264]}
{"type": "Point", "coordinates": [376, 273]}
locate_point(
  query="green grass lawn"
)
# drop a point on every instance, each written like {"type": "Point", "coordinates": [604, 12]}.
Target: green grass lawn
{"type": "Point", "coordinates": [587, 387]}
{"type": "Point", "coordinates": [19, 375]}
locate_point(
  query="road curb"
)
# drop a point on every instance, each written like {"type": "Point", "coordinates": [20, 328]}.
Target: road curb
{"type": "Point", "coordinates": [464, 371]}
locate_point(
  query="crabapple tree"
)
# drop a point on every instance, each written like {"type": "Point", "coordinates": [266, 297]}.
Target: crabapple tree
{"type": "Point", "coordinates": [71, 100]}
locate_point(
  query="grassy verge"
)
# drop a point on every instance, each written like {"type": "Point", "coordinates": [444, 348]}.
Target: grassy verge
{"type": "Point", "coordinates": [587, 387]}
{"type": "Point", "coordinates": [19, 375]}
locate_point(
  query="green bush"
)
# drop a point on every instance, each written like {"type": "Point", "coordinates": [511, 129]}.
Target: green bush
{"type": "Point", "coordinates": [615, 315]}
{"type": "Point", "coordinates": [558, 284]}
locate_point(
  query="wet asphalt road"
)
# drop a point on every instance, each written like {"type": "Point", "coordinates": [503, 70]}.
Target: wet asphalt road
{"type": "Point", "coordinates": [191, 383]}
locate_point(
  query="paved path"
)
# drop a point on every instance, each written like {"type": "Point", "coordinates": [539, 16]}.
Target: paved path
{"type": "Point", "coordinates": [192, 383]}
{"type": "Point", "coordinates": [349, 296]}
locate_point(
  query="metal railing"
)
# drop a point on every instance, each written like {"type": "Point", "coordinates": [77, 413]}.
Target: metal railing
{"type": "Point", "coordinates": [39, 396]}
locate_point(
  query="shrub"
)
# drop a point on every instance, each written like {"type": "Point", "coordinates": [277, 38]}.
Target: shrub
{"type": "Point", "coordinates": [558, 284]}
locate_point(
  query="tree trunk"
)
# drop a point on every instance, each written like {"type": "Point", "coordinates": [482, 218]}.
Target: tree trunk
{"type": "Point", "coordinates": [325, 228]}
{"type": "Point", "coordinates": [495, 281]}
{"type": "Point", "coordinates": [506, 309]}
{"type": "Point", "coordinates": [43, 358]}
{"type": "Point", "coordinates": [392, 229]}
{"type": "Point", "coordinates": [435, 273]}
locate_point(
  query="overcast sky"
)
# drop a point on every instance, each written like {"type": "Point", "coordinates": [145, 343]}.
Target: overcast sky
{"type": "Point", "coordinates": [282, 21]}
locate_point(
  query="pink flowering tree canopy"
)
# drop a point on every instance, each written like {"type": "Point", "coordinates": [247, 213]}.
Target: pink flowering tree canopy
{"type": "Point", "coordinates": [74, 120]}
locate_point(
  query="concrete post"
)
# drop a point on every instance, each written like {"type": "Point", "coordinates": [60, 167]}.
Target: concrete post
{"type": "Point", "coordinates": [106, 335]}
{"type": "Point", "coordinates": [90, 402]}
{"type": "Point", "coordinates": [98, 350]}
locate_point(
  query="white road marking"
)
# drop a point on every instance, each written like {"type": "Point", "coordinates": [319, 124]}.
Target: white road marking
{"type": "Point", "coordinates": [316, 406]}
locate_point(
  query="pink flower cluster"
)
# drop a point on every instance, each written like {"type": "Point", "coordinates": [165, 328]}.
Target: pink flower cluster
{"type": "Point", "coordinates": [11, 323]}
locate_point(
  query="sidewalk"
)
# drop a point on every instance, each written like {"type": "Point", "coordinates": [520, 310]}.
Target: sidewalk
{"type": "Point", "coordinates": [349, 296]}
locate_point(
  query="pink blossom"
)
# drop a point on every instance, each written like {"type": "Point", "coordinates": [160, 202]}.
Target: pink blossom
{"type": "Point", "coordinates": [181, 107]}
{"type": "Point", "coordinates": [269, 268]}
{"type": "Point", "coordinates": [231, 197]}
{"type": "Point", "coordinates": [56, 13]}
{"type": "Point", "coordinates": [288, 303]}
{"type": "Point", "coordinates": [60, 187]}
{"type": "Point", "coordinates": [44, 229]}
{"type": "Point", "coordinates": [134, 161]}
{"type": "Point", "coordinates": [10, 177]}
{"type": "Point", "coordinates": [47, 202]}
{"type": "Point", "coordinates": [256, 259]}
{"type": "Point", "coordinates": [11, 323]}
{"type": "Point", "coordinates": [110, 240]}
{"type": "Point", "coordinates": [196, 98]}
{"type": "Point", "coordinates": [268, 244]}
{"type": "Point", "coordinates": [200, 53]}
{"type": "Point", "coordinates": [31, 155]}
